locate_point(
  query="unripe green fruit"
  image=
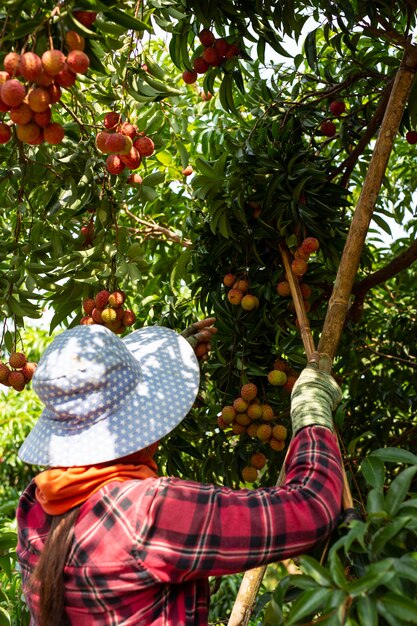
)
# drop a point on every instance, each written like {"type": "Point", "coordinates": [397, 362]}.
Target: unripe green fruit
{"type": "Point", "coordinates": [249, 302]}
{"type": "Point", "coordinates": [108, 315]}
{"type": "Point", "coordinates": [277, 378]}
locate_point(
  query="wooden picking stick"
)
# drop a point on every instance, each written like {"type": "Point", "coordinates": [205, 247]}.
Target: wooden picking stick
{"type": "Point", "coordinates": [252, 579]}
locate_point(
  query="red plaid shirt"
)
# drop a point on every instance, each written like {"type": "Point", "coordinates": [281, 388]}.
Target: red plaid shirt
{"type": "Point", "coordinates": [143, 550]}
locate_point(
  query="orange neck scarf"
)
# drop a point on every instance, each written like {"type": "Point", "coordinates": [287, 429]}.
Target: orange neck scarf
{"type": "Point", "coordinates": [61, 488]}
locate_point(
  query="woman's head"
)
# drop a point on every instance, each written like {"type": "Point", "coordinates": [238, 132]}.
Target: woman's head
{"type": "Point", "coordinates": [107, 397]}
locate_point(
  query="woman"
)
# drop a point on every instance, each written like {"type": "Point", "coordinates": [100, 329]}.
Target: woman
{"type": "Point", "coordinates": [102, 539]}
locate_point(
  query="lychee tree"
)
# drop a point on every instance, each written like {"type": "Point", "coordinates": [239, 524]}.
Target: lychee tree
{"type": "Point", "coordinates": [168, 150]}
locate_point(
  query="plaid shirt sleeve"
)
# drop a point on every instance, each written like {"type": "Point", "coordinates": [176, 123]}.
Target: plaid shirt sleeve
{"type": "Point", "coordinates": [192, 530]}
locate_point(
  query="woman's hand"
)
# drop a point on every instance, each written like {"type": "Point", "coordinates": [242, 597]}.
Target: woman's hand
{"type": "Point", "coordinates": [199, 336]}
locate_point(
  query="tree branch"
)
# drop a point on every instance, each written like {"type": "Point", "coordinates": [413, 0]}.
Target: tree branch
{"type": "Point", "coordinates": [155, 230]}
{"type": "Point", "coordinates": [360, 290]}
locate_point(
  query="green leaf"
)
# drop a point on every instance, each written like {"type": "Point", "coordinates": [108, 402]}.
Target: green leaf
{"type": "Point", "coordinates": [5, 619]}
{"type": "Point", "coordinates": [402, 607]}
{"type": "Point", "coordinates": [124, 19]}
{"type": "Point", "coordinates": [384, 535]}
{"type": "Point", "coordinates": [395, 455]}
{"type": "Point", "coordinates": [399, 489]}
{"type": "Point", "coordinates": [367, 613]}
{"type": "Point", "coordinates": [376, 574]}
{"type": "Point", "coordinates": [373, 470]}
{"type": "Point", "coordinates": [310, 48]}
{"type": "Point", "coordinates": [317, 572]}
{"type": "Point", "coordinates": [309, 602]}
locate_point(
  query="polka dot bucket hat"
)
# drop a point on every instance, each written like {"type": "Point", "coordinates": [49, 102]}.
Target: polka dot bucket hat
{"type": "Point", "coordinates": [106, 397]}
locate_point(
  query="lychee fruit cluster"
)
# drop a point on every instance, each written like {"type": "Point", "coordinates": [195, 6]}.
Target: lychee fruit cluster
{"type": "Point", "coordinates": [328, 127]}
{"type": "Point", "coordinates": [238, 292]}
{"type": "Point", "coordinates": [215, 51]}
{"type": "Point", "coordinates": [282, 375]}
{"type": "Point", "coordinates": [18, 372]}
{"type": "Point", "coordinates": [299, 266]}
{"type": "Point", "coordinates": [107, 309]}
{"type": "Point", "coordinates": [124, 144]}
{"type": "Point", "coordinates": [30, 85]}
{"type": "Point", "coordinates": [247, 415]}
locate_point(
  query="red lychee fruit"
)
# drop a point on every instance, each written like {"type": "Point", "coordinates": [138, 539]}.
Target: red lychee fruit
{"type": "Point", "coordinates": [102, 298]}
{"type": "Point", "coordinates": [229, 279]}
{"type": "Point", "coordinates": [43, 119]}
{"type": "Point", "coordinates": [86, 18]}
{"type": "Point", "coordinates": [267, 412]}
{"type": "Point", "coordinates": [74, 41]}
{"type": "Point", "coordinates": [5, 133]}
{"type": "Point", "coordinates": [116, 299]}
{"type": "Point", "coordinates": [411, 136]}
{"type": "Point", "coordinates": [206, 96]}
{"type": "Point", "coordinates": [44, 79]}
{"type": "Point", "coordinates": [55, 93]}
{"type": "Point", "coordinates": [115, 143]}
{"type": "Point", "coordinates": [221, 46]}
{"type": "Point", "coordinates": [17, 359]}
{"type": "Point", "coordinates": [291, 380]}
{"type": "Point", "coordinates": [111, 120]}
{"type": "Point", "coordinates": [30, 66]}
{"type": "Point", "coordinates": [187, 171]}
{"type": "Point", "coordinates": [299, 267]}
{"type": "Point", "coordinates": [264, 432]}
{"type": "Point", "coordinates": [337, 107]}
{"type": "Point", "coordinates": [129, 318]}
{"type": "Point", "coordinates": [189, 77]}
{"type": "Point", "coordinates": [53, 133]}
{"type": "Point", "coordinates": [39, 99]}
{"type": "Point", "coordinates": [258, 460]}
{"type": "Point", "coordinates": [232, 51]}
{"type": "Point", "coordinates": [53, 61]}
{"type": "Point", "coordinates": [206, 37]}
{"type": "Point", "coordinates": [88, 305]}
{"type": "Point", "coordinates": [212, 57]}
{"type": "Point", "coordinates": [228, 414]}
{"type": "Point", "coordinates": [12, 92]}
{"type": "Point", "coordinates": [11, 63]}
{"type": "Point", "coordinates": [283, 289]}
{"type": "Point", "coordinates": [235, 296]}
{"type": "Point", "coordinates": [249, 391]}
{"type": "Point", "coordinates": [132, 159]}
{"type": "Point", "coordinates": [96, 315]}
{"type": "Point", "coordinates": [78, 62]}
{"type": "Point", "coordinates": [305, 290]}
{"type": "Point", "coordinates": [145, 146]}
{"type": "Point", "coordinates": [28, 133]}
{"type": "Point", "coordinates": [200, 65]}
{"type": "Point", "coordinates": [240, 405]}
{"type": "Point", "coordinates": [254, 411]}
{"type": "Point", "coordinates": [279, 432]}
{"type": "Point", "coordinates": [65, 78]}
{"type": "Point", "coordinates": [128, 129]}
{"type": "Point", "coordinates": [4, 372]}
{"type": "Point", "coordinates": [114, 164]}
{"type": "Point", "coordinates": [328, 129]}
{"type": "Point", "coordinates": [4, 76]}
{"type": "Point", "coordinates": [276, 444]}
{"type": "Point", "coordinates": [87, 320]}
{"type": "Point", "coordinates": [28, 370]}
{"type": "Point", "coordinates": [135, 179]}
{"type": "Point", "coordinates": [281, 365]}
{"type": "Point", "coordinates": [4, 107]}
{"type": "Point", "coordinates": [21, 114]}
{"type": "Point", "coordinates": [17, 380]}
{"type": "Point", "coordinates": [310, 244]}
{"type": "Point", "coordinates": [300, 253]}
{"type": "Point", "coordinates": [101, 141]}
{"type": "Point", "coordinates": [249, 474]}
{"type": "Point", "coordinates": [242, 285]}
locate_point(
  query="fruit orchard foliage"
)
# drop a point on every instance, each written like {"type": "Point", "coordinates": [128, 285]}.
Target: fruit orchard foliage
{"type": "Point", "coordinates": [263, 174]}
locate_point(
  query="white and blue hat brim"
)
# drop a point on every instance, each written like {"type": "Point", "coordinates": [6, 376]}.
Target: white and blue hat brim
{"type": "Point", "coordinates": [140, 401]}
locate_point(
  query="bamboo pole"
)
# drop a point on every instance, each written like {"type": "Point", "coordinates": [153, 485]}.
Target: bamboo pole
{"type": "Point", "coordinates": [349, 263]}
{"type": "Point", "coordinates": [339, 301]}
